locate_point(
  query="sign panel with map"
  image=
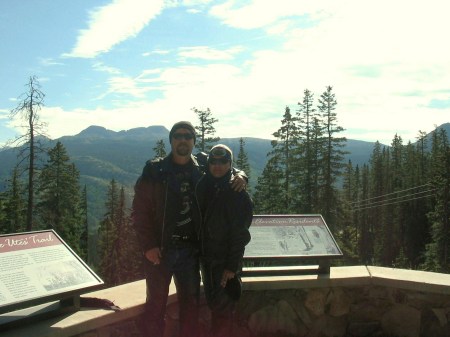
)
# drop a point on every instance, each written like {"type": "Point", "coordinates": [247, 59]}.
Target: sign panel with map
{"type": "Point", "coordinates": [284, 236]}
{"type": "Point", "coordinates": [39, 266]}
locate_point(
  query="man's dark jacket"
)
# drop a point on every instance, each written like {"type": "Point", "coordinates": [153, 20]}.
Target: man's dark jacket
{"type": "Point", "coordinates": [155, 204]}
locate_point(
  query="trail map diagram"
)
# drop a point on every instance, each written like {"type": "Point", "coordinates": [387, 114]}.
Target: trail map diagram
{"type": "Point", "coordinates": [274, 236]}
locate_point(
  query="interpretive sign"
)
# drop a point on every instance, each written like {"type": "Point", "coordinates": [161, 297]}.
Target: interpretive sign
{"type": "Point", "coordinates": [291, 237]}
{"type": "Point", "coordinates": [38, 267]}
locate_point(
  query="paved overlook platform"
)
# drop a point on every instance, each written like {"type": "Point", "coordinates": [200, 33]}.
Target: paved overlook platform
{"type": "Point", "coordinates": [350, 301]}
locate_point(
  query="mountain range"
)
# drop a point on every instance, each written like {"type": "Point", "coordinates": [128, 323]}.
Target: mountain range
{"type": "Point", "coordinates": [102, 155]}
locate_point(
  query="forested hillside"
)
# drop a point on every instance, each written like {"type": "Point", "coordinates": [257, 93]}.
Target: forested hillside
{"type": "Point", "coordinates": [101, 155]}
{"type": "Point", "coordinates": [388, 205]}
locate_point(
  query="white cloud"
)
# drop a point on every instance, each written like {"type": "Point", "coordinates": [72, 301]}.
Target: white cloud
{"type": "Point", "coordinates": [4, 113]}
{"type": "Point", "coordinates": [263, 13]}
{"type": "Point", "coordinates": [207, 53]}
{"type": "Point", "coordinates": [156, 52]}
{"type": "Point", "coordinates": [46, 62]}
{"type": "Point", "coordinates": [124, 85]}
{"type": "Point", "coordinates": [375, 54]}
{"type": "Point", "coordinates": [114, 23]}
{"type": "Point", "coordinates": [385, 60]}
{"type": "Point", "coordinates": [100, 66]}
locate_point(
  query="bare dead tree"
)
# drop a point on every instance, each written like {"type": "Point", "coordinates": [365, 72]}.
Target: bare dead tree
{"type": "Point", "coordinates": [29, 145]}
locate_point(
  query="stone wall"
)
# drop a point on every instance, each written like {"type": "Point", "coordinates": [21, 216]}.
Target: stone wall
{"type": "Point", "coordinates": [349, 312]}
{"type": "Point", "coordinates": [354, 301]}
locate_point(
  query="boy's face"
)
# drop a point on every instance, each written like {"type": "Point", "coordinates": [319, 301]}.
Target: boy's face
{"type": "Point", "coordinates": [219, 166]}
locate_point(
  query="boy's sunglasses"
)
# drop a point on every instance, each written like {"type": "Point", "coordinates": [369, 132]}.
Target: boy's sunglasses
{"type": "Point", "coordinates": [218, 161]}
{"type": "Point", "coordinates": [185, 136]}
{"type": "Point", "coordinates": [219, 152]}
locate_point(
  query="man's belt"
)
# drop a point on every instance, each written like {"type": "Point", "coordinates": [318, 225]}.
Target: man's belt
{"type": "Point", "coordinates": [181, 238]}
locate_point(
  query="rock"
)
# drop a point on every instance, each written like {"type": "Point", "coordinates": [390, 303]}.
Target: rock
{"type": "Point", "coordinates": [362, 329]}
{"type": "Point", "coordinates": [279, 319]}
{"type": "Point", "coordinates": [316, 300]}
{"type": "Point", "coordinates": [366, 312]}
{"type": "Point", "coordinates": [339, 303]}
{"type": "Point", "coordinates": [401, 320]}
{"type": "Point", "coordinates": [328, 326]}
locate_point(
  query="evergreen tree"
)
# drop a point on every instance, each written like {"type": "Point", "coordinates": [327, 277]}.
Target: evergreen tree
{"type": "Point", "coordinates": [375, 197]}
{"type": "Point", "coordinates": [205, 130]}
{"type": "Point", "coordinates": [268, 197]}
{"type": "Point", "coordinates": [366, 239]}
{"type": "Point", "coordinates": [126, 259]}
{"type": "Point", "coordinates": [437, 251]}
{"type": "Point", "coordinates": [306, 166]}
{"type": "Point", "coordinates": [58, 205]}
{"type": "Point", "coordinates": [107, 235]}
{"type": "Point", "coordinates": [3, 224]}
{"type": "Point", "coordinates": [120, 260]}
{"type": "Point", "coordinates": [283, 149]}
{"type": "Point", "coordinates": [394, 221]}
{"type": "Point", "coordinates": [160, 149]}
{"type": "Point", "coordinates": [30, 103]}
{"type": "Point", "coordinates": [332, 155]}
{"type": "Point", "coordinates": [84, 237]}
{"type": "Point", "coordinates": [316, 165]}
{"type": "Point", "coordinates": [415, 206]}
{"type": "Point", "coordinates": [349, 193]}
{"type": "Point", "coordinates": [13, 206]}
{"type": "Point", "coordinates": [242, 160]}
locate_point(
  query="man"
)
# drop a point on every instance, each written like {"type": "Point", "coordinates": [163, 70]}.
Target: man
{"type": "Point", "coordinates": [167, 227]}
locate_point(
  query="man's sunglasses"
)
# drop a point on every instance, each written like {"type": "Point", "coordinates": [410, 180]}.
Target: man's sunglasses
{"type": "Point", "coordinates": [218, 161]}
{"type": "Point", "coordinates": [185, 136]}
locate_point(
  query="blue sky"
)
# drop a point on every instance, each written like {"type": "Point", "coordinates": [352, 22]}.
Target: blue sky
{"type": "Point", "coordinates": [134, 63]}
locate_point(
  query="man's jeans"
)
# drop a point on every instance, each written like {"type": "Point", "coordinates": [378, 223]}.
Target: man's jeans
{"type": "Point", "coordinates": [182, 264]}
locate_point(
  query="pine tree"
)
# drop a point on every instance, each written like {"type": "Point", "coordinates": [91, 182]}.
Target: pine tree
{"type": "Point", "coordinates": [58, 205]}
{"type": "Point", "coordinates": [120, 261]}
{"type": "Point", "coordinates": [332, 155]}
{"type": "Point", "coordinates": [375, 197]}
{"type": "Point", "coordinates": [107, 234]}
{"type": "Point", "coordinates": [160, 149]}
{"type": "Point", "coordinates": [242, 160]}
{"type": "Point", "coordinates": [283, 149]}
{"type": "Point", "coordinates": [205, 130]}
{"type": "Point", "coordinates": [13, 206]}
{"type": "Point", "coordinates": [84, 237]}
{"type": "Point", "coordinates": [125, 258]}
{"type": "Point", "coordinates": [268, 196]}
{"type": "Point", "coordinates": [394, 220]}
{"type": "Point", "coordinates": [349, 191]}
{"type": "Point", "coordinates": [437, 251]}
{"type": "Point", "coordinates": [366, 240]}
{"type": "Point", "coordinates": [3, 224]}
{"type": "Point", "coordinates": [316, 165]}
{"type": "Point", "coordinates": [306, 167]}
{"type": "Point", "coordinates": [415, 205]}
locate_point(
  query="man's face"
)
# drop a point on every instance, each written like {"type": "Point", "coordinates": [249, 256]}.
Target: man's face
{"type": "Point", "coordinates": [182, 142]}
{"type": "Point", "coordinates": [219, 166]}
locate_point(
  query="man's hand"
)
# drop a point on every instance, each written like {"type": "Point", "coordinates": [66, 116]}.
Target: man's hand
{"type": "Point", "coordinates": [153, 255]}
{"type": "Point", "coordinates": [238, 183]}
{"type": "Point", "coordinates": [227, 275]}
